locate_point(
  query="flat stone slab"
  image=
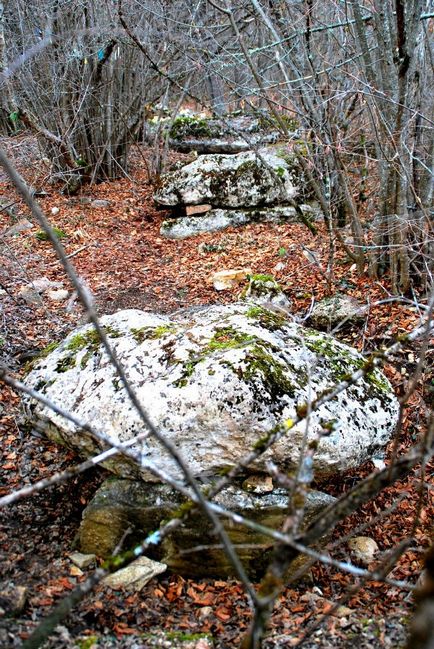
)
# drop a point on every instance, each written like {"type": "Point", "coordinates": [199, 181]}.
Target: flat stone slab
{"type": "Point", "coordinates": [136, 575]}
{"type": "Point", "coordinates": [191, 550]}
{"type": "Point", "coordinates": [219, 219]}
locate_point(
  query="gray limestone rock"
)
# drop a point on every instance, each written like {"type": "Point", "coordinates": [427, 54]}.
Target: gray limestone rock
{"type": "Point", "coordinates": [337, 310]}
{"type": "Point", "coordinates": [215, 381]}
{"type": "Point", "coordinates": [231, 181]}
{"type": "Point", "coordinates": [219, 219]}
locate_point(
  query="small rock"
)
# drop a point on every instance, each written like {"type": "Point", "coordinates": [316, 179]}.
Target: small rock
{"type": "Point", "coordinates": [204, 612]}
{"type": "Point", "coordinates": [204, 248]}
{"type": "Point", "coordinates": [58, 296]}
{"type": "Point", "coordinates": [100, 203]}
{"type": "Point", "coordinates": [76, 572]}
{"type": "Point", "coordinates": [43, 284]}
{"type": "Point", "coordinates": [264, 290]}
{"type": "Point", "coordinates": [343, 611]}
{"type": "Point", "coordinates": [29, 295]}
{"type": "Point", "coordinates": [225, 279]}
{"type": "Point", "coordinates": [337, 310]}
{"type": "Point", "coordinates": [13, 599]}
{"type": "Point", "coordinates": [378, 462]}
{"type": "Point", "coordinates": [55, 210]}
{"type": "Point", "coordinates": [258, 484]}
{"type": "Point", "coordinates": [8, 207]}
{"type": "Point", "coordinates": [82, 560]}
{"type": "Point", "coordinates": [190, 210]}
{"type": "Point", "coordinates": [136, 575]}
{"type": "Point", "coordinates": [363, 549]}
{"type": "Point", "coordinates": [21, 226]}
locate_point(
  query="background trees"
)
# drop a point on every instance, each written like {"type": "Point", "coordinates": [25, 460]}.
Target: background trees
{"type": "Point", "coordinates": [356, 82]}
{"type": "Point", "coordinates": [86, 91]}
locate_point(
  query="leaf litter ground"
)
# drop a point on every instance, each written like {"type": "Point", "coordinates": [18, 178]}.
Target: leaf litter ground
{"type": "Point", "coordinates": [117, 249]}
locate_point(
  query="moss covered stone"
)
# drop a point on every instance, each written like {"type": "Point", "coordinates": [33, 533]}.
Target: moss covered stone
{"type": "Point", "coordinates": [65, 364]}
{"type": "Point", "coordinates": [244, 180]}
{"type": "Point", "coordinates": [186, 126]}
{"type": "Point", "coordinates": [227, 377]}
{"type": "Point", "coordinates": [152, 333]}
{"type": "Point", "coordinates": [268, 319]}
{"type": "Point", "coordinates": [142, 507]}
{"type": "Point", "coordinates": [259, 362]}
{"type": "Point", "coordinates": [343, 363]}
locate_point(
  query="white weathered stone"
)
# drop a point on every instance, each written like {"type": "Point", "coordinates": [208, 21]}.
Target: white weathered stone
{"type": "Point", "coordinates": [364, 549]}
{"type": "Point", "coordinates": [225, 279]}
{"type": "Point", "coordinates": [58, 296]}
{"type": "Point", "coordinates": [42, 284]}
{"type": "Point", "coordinates": [82, 560]}
{"type": "Point", "coordinates": [219, 219]}
{"type": "Point", "coordinates": [29, 295]}
{"type": "Point", "coordinates": [21, 226]}
{"type": "Point", "coordinates": [98, 202]}
{"type": "Point", "coordinates": [242, 180]}
{"type": "Point", "coordinates": [136, 575]}
{"type": "Point", "coordinates": [215, 381]}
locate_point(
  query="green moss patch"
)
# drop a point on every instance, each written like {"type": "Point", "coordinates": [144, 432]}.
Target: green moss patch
{"type": "Point", "coordinates": [91, 339]}
{"type": "Point", "coordinates": [185, 126]}
{"type": "Point", "coordinates": [260, 277]}
{"type": "Point", "coordinates": [188, 368]}
{"type": "Point", "coordinates": [41, 235]}
{"type": "Point", "coordinates": [265, 318]}
{"type": "Point", "coordinates": [343, 364]}
{"type": "Point", "coordinates": [228, 338]}
{"type": "Point", "coordinates": [88, 340]}
{"type": "Point", "coordinates": [223, 339]}
{"type": "Point", "coordinates": [151, 333]}
{"type": "Point", "coordinates": [260, 362]}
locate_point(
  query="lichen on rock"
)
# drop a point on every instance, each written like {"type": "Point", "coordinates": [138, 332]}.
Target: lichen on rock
{"type": "Point", "coordinates": [241, 180]}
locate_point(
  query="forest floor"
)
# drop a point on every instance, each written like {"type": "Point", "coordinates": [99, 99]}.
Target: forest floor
{"type": "Point", "coordinates": [117, 249]}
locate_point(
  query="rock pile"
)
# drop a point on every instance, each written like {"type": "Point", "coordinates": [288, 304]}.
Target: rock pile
{"type": "Point", "coordinates": [216, 381]}
{"type": "Point", "coordinates": [218, 191]}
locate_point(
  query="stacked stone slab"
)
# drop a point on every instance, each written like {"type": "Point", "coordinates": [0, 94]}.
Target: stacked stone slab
{"type": "Point", "coordinates": [231, 190]}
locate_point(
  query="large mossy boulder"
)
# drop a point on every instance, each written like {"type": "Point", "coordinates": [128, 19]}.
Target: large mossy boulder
{"type": "Point", "coordinates": [230, 134]}
{"type": "Point", "coordinates": [215, 381]}
{"type": "Point", "coordinates": [192, 550]}
{"type": "Point", "coordinates": [229, 181]}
